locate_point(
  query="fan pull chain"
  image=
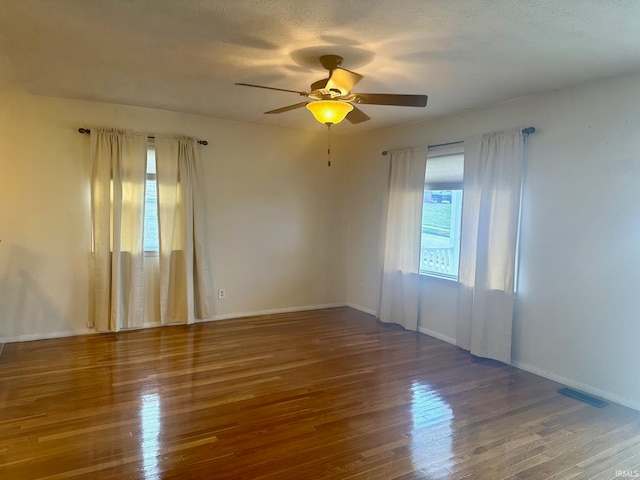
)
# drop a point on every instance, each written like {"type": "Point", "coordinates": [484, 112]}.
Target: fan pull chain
{"type": "Point", "coordinates": [329, 147]}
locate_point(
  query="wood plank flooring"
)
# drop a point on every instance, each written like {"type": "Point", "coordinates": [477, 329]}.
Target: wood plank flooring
{"type": "Point", "coordinates": [327, 394]}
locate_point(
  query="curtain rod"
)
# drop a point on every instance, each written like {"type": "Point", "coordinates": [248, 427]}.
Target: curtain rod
{"type": "Point", "coordinates": [525, 131]}
{"type": "Point", "coordinates": [86, 130]}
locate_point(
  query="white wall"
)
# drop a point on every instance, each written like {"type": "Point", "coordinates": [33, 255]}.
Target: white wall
{"type": "Point", "coordinates": [578, 307]}
{"type": "Point", "coordinates": [276, 222]}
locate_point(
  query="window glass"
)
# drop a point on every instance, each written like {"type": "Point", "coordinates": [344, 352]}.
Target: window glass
{"type": "Point", "coordinates": [151, 240]}
{"type": "Point", "coordinates": [441, 217]}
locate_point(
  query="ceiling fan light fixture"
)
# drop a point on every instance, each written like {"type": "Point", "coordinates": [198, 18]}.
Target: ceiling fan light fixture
{"type": "Point", "coordinates": [329, 112]}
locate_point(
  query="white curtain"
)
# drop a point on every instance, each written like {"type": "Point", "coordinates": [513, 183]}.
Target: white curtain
{"type": "Point", "coordinates": [400, 277]}
{"type": "Point", "coordinates": [185, 292]}
{"type": "Point", "coordinates": [493, 169]}
{"type": "Point", "coordinates": [117, 208]}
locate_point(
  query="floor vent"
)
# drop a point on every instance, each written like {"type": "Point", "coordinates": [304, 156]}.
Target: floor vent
{"type": "Point", "coordinates": [583, 397]}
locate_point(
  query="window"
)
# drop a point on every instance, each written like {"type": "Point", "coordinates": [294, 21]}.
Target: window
{"type": "Point", "coordinates": [151, 241]}
{"type": "Point", "coordinates": [442, 214]}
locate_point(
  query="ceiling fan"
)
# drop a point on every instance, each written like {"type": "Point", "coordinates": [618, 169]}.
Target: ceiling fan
{"type": "Point", "coordinates": [331, 100]}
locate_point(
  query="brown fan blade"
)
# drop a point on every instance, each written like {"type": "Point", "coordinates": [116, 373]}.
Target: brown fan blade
{"type": "Point", "coordinates": [357, 116]}
{"type": "Point", "coordinates": [391, 99]}
{"type": "Point", "coordinates": [343, 80]}
{"type": "Point", "coordinates": [304, 94]}
{"type": "Point", "coordinates": [286, 109]}
{"type": "Point", "coordinates": [319, 85]}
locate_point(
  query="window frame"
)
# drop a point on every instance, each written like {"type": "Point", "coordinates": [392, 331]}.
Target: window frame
{"type": "Point", "coordinates": [437, 152]}
{"type": "Point", "coordinates": [149, 176]}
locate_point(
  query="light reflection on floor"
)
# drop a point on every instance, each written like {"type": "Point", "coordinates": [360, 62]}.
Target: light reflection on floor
{"type": "Point", "coordinates": [431, 436]}
{"type": "Point", "coordinates": [151, 426]}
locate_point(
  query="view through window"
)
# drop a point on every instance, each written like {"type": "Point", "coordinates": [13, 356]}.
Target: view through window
{"type": "Point", "coordinates": [151, 238]}
{"type": "Point", "coordinates": [442, 215]}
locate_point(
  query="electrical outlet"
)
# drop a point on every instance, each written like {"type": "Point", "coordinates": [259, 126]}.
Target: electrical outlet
{"type": "Point", "coordinates": [363, 288]}
{"type": "Point", "coordinates": [221, 293]}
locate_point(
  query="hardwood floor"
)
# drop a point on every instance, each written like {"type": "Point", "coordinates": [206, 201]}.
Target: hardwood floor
{"type": "Point", "coordinates": [328, 394]}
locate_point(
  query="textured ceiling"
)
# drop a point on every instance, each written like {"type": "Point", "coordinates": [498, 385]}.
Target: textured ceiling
{"type": "Point", "coordinates": [185, 55]}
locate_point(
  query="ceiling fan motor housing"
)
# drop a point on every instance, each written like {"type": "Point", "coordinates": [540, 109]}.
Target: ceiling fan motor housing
{"type": "Point", "coordinates": [331, 62]}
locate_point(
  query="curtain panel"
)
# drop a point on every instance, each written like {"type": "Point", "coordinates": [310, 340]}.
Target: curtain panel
{"type": "Point", "coordinates": [185, 280]}
{"type": "Point", "coordinates": [400, 277]}
{"type": "Point", "coordinates": [493, 170]}
{"type": "Point", "coordinates": [117, 207]}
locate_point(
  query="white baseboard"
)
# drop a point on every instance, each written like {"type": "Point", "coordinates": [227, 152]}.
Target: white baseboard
{"type": "Point", "coordinates": [87, 331]}
{"type": "Point", "coordinates": [362, 309]}
{"type": "Point", "coordinates": [437, 335]}
{"type": "Point", "coordinates": [227, 316]}
{"type": "Point", "coordinates": [621, 400]}
{"type": "Point", "coordinates": [45, 336]}
{"type": "Point", "coordinates": [612, 397]}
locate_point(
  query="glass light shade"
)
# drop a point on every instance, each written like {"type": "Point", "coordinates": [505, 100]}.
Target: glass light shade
{"type": "Point", "coordinates": [329, 111]}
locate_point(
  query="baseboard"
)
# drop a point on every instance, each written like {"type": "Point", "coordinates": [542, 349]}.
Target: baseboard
{"type": "Point", "coordinates": [624, 401]}
{"type": "Point", "coordinates": [620, 400]}
{"type": "Point", "coordinates": [45, 336]}
{"type": "Point", "coordinates": [437, 335]}
{"type": "Point", "coordinates": [272, 311]}
{"type": "Point", "coordinates": [73, 333]}
{"type": "Point", "coordinates": [362, 309]}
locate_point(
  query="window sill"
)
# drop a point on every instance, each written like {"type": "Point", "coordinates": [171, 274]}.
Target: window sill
{"type": "Point", "coordinates": [151, 254]}
{"type": "Point", "coordinates": [428, 277]}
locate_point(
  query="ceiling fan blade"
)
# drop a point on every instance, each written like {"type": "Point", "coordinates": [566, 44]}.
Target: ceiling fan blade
{"type": "Point", "coordinates": [343, 80]}
{"type": "Point", "coordinates": [304, 94]}
{"type": "Point", "coordinates": [391, 99]}
{"type": "Point", "coordinates": [286, 109]}
{"type": "Point", "coordinates": [357, 116]}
